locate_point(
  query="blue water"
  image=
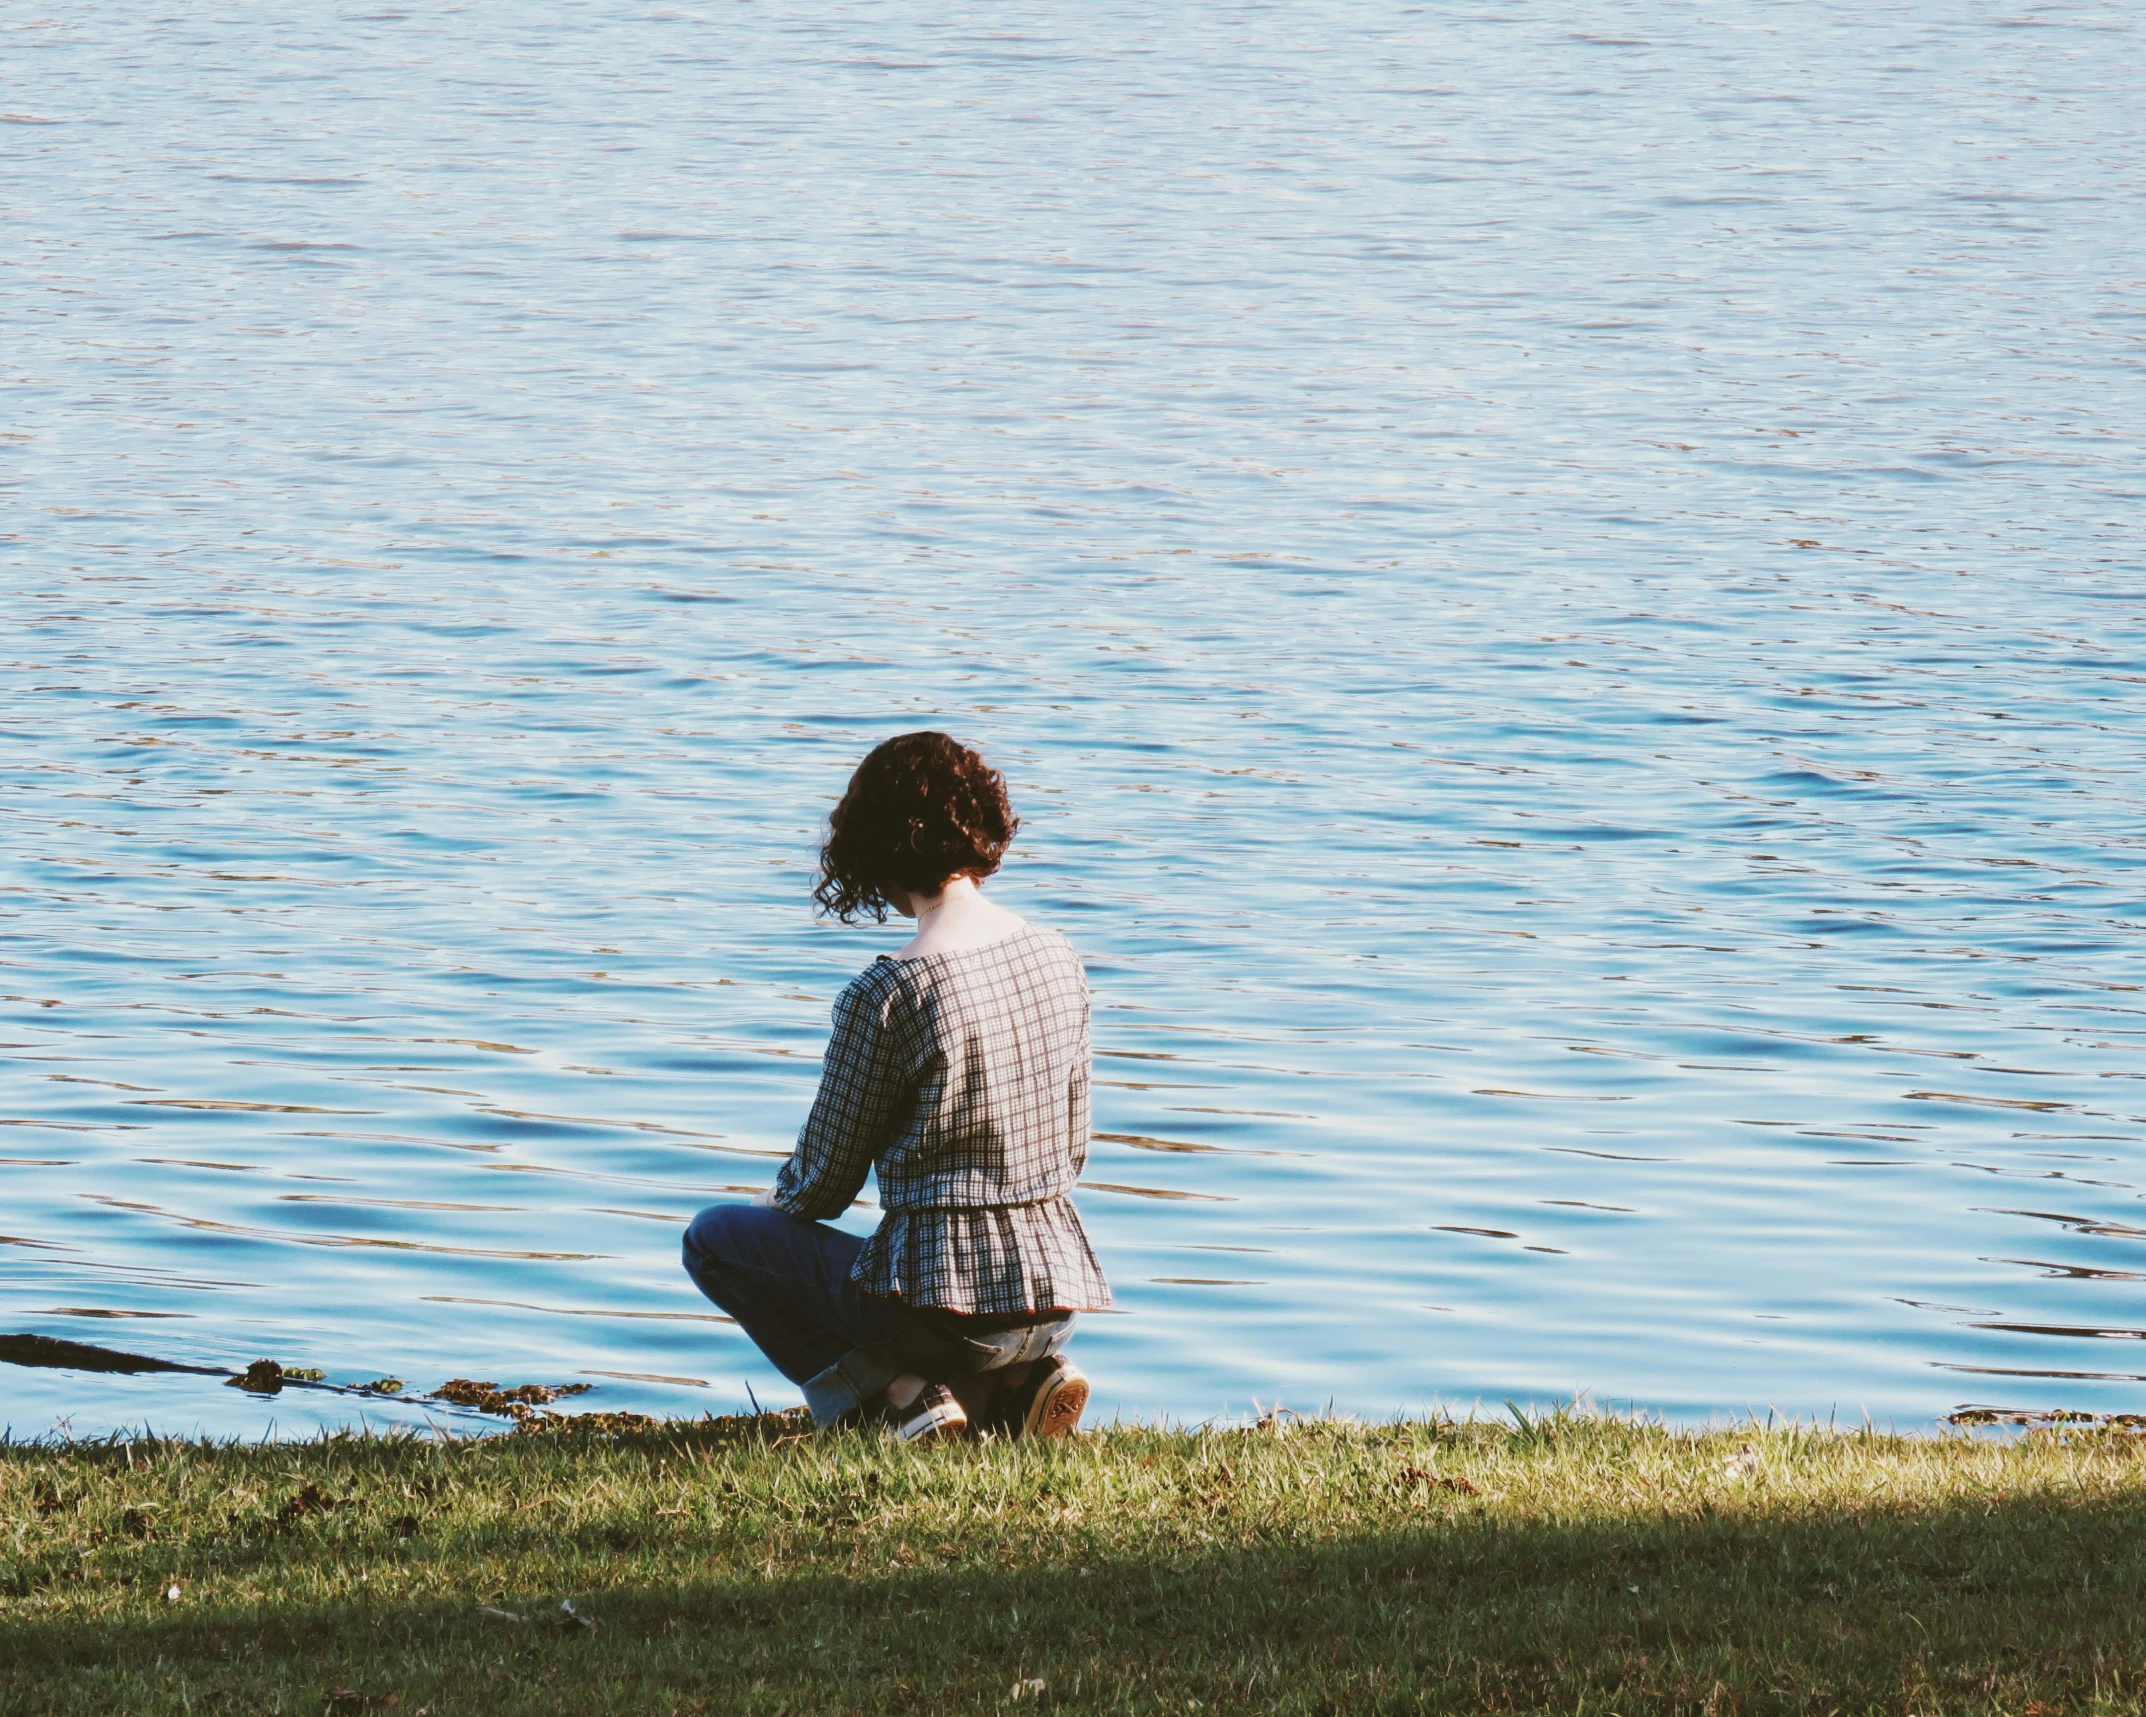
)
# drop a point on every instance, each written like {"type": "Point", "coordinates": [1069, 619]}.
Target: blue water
{"type": "Point", "coordinates": [1559, 586]}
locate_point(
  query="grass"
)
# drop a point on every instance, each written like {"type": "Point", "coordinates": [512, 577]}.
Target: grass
{"type": "Point", "coordinates": [1572, 1564]}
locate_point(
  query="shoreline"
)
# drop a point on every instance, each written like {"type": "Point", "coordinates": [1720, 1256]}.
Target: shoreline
{"type": "Point", "coordinates": [485, 1408]}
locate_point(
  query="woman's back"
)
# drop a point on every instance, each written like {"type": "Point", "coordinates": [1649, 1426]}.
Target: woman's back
{"type": "Point", "coordinates": [962, 1078]}
{"type": "Point", "coordinates": [995, 1049]}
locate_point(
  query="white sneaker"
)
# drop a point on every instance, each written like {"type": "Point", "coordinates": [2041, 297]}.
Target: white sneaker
{"type": "Point", "coordinates": [934, 1416]}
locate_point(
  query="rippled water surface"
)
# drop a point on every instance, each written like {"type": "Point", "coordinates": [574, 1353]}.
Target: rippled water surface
{"type": "Point", "coordinates": [1559, 586]}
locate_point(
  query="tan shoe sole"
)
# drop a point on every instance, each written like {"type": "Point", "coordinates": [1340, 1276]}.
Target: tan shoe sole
{"type": "Point", "coordinates": [1058, 1405]}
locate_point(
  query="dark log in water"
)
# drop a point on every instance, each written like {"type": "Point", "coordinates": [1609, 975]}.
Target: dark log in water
{"type": "Point", "coordinates": [45, 1350]}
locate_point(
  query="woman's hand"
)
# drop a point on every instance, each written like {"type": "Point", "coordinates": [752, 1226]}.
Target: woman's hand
{"type": "Point", "coordinates": [764, 1199]}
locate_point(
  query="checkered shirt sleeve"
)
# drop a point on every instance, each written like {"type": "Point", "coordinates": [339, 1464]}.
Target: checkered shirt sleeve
{"type": "Point", "coordinates": [865, 1093]}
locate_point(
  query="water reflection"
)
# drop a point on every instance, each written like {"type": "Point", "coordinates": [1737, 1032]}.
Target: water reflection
{"type": "Point", "coordinates": [1560, 604]}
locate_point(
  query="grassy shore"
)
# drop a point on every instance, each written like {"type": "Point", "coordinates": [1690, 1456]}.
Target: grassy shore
{"type": "Point", "coordinates": [736, 1566]}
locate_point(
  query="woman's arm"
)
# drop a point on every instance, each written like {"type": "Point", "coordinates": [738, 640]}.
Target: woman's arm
{"type": "Point", "coordinates": [863, 1095]}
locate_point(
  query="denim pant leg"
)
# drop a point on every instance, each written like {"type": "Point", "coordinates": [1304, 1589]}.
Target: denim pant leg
{"type": "Point", "coordinates": [787, 1283]}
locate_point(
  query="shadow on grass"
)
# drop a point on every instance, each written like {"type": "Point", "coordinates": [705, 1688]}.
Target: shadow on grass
{"type": "Point", "coordinates": [2009, 1605]}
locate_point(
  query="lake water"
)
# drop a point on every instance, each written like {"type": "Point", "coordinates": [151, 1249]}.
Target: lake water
{"type": "Point", "coordinates": [1559, 586]}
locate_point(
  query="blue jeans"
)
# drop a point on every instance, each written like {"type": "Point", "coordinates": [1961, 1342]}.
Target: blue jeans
{"type": "Point", "coordinates": [788, 1284]}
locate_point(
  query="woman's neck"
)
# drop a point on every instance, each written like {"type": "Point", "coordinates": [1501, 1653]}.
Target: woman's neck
{"type": "Point", "coordinates": [957, 917]}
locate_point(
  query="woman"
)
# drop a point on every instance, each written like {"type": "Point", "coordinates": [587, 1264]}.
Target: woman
{"type": "Point", "coordinates": [958, 1070]}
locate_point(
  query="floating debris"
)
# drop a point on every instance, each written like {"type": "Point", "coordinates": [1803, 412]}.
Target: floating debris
{"type": "Point", "coordinates": [2052, 1416]}
{"type": "Point", "coordinates": [262, 1377]}
{"type": "Point", "coordinates": [521, 1403]}
{"type": "Point", "coordinates": [526, 1405]}
{"type": "Point", "coordinates": [584, 1424]}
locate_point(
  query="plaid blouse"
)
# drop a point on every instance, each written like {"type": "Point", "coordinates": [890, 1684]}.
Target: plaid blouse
{"type": "Point", "coordinates": [963, 1078]}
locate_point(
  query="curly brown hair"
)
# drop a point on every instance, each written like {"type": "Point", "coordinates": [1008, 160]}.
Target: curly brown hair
{"type": "Point", "coordinates": [920, 810]}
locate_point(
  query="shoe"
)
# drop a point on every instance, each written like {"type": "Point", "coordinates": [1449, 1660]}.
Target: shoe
{"type": "Point", "coordinates": [934, 1416]}
{"type": "Point", "coordinates": [1048, 1404]}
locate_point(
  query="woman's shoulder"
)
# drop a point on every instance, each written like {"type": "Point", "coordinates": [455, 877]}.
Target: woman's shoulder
{"type": "Point", "coordinates": [1043, 942]}
{"type": "Point", "coordinates": [1057, 947]}
{"type": "Point", "coordinates": [872, 988]}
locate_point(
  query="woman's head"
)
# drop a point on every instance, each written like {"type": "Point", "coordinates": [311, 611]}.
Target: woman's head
{"type": "Point", "coordinates": [920, 810]}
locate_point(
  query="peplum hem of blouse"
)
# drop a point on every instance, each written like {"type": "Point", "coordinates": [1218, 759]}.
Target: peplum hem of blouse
{"type": "Point", "coordinates": [985, 1260]}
